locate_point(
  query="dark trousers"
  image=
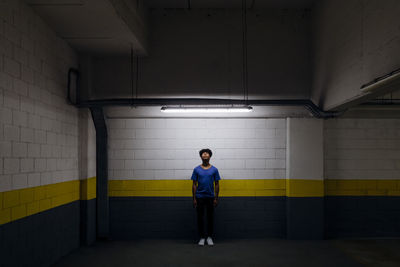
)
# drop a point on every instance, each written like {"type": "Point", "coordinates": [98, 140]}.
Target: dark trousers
{"type": "Point", "coordinates": [208, 204]}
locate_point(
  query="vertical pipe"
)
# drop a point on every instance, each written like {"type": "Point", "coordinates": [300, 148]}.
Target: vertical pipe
{"type": "Point", "coordinates": [101, 173]}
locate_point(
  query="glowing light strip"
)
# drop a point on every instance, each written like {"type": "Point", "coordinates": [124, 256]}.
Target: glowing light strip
{"type": "Point", "coordinates": [205, 110]}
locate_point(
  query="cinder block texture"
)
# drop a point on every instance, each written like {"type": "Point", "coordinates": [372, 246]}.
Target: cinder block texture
{"type": "Point", "coordinates": [362, 165]}
{"type": "Point", "coordinates": [362, 149]}
{"type": "Point", "coordinates": [167, 148]}
{"type": "Point", "coordinates": [38, 129]}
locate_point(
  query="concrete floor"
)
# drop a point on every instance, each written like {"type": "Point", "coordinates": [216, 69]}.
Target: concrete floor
{"type": "Point", "coordinates": [239, 252]}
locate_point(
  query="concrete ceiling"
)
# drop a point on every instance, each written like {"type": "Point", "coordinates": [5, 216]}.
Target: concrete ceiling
{"type": "Point", "coordinates": [96, 26]}
{"type": "Point", "coordinates": [229, 3]}
{"type": "Point", "coordinates": [114, 26]}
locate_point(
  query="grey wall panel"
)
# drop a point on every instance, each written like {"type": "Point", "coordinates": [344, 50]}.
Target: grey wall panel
{"type": "Point", "coordinates": [305, 217]}
{"type": "Point", "coordinates": [362, 216]}
{"type": "Point", "coordinates": [88, 221]}
{"type": "Point", "coordinates": [175, 217]}
{"type": "Point", "coordinates": [40, 239]}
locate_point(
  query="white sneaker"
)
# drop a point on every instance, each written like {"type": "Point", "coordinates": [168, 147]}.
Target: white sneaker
{"type": "Point", "coordinates": [210, 241]}
{"type": "Point", "coordinates": [201, 242]}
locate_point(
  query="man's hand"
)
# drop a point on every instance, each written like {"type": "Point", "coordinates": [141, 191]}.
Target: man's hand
{"type": "Point", "coordinates": [194, 203]}
{"type": "Point", "coordinates": [215, 202]}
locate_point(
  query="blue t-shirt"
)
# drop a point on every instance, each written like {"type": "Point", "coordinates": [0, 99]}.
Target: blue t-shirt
{"type": "Point", "coordinates": [205, 179]}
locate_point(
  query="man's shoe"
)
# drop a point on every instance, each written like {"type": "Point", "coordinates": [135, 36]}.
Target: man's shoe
{"type": "Point", "coordinates": [201, 242]}
{"type": "Point", "coordinates": [210, 241]}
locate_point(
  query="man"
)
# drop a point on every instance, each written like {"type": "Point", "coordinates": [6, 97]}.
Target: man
{"type": "Point", "coordinates": [204, 176]}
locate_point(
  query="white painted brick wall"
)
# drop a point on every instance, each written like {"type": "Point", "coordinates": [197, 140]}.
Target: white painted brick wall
{"type": "Point", "coordinates": [27, 135]}
{"type": "Point", "coordinates": [11, 99]}
{"type": "Point", "coordinates": [167, 148]}
{"type": "Point", "coordinates": [362, 149]}
{"type": "Point", "coordinates": [5, 149]}
{"type": "Point", "coordinates": [19, 150]}
{"type": "Point", "coordinates": [20, 181]}
{"type": "Point", "coordinates": [27, 165]}
{"type": "Point", "coordinates": [11, 165]}
{"type": "Point", "coordinates": [11, 133]}
{"type": "Point", "coordinates": [38, 129]}
{"type": "Point", "coordinates": [33, 179]}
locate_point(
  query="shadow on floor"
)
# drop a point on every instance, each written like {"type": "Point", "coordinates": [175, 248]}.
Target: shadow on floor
{"type": "Point", "coordinates": [239, 252]}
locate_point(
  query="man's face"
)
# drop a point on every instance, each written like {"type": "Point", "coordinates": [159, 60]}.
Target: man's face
{"type": "Point", "coordinates": [205, 156]}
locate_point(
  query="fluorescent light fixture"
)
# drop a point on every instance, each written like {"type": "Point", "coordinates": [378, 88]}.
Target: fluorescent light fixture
{"type": "Point", "coordinates": [205, 109]}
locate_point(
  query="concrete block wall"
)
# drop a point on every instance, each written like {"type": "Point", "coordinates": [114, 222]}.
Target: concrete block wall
{"type": "Point", "coordinates": [167, 148]}
{"type": "Point", "coordinates": [151, 161]}
{"type": "Point", "coordinates": [362, 149]}
{"type": "Point", "coordinates": [38, 139]}
{"type": "Point", "coordinates": [304, 180]}
{"type": "Point", "coordinates": [39, 130]}
{"type": "Point", "coordinates": [355, 193]}
{"type": "Point", "coordinates": [87, 145]}
{"type": "Point", "coordinates": [87, 176]}
{"type": "Point", "coordinates": [362, 171]}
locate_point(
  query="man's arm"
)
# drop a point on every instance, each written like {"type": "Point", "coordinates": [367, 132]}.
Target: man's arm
{"type": "Point", "coordinates": [194, 188]}
{"type": "Point", "coordinates": [216, 189]}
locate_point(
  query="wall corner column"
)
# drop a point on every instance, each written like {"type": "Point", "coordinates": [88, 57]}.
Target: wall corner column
{"type": "Point", "coordinates": [304, 179]}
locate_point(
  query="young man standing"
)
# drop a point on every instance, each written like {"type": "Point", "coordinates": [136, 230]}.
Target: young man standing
{"type": "Point", "coordinates": [204, 176]}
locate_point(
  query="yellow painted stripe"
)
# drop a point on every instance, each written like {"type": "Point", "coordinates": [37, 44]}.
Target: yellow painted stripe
{"type": "Point", "coordinates": [183, 188]}
{"type": "Point", "coordinates": [17, 204]}
{"type": "Point", "coordinates": [20, 203]}
{"type": "Point", "coordinates": [376, 187]}
{"type": "Point", "coordinates": [304, 188]}
{"type": "Point", "coordinates": [88, 188]}
{"type": "Point", "coordinates": [260, 187]}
